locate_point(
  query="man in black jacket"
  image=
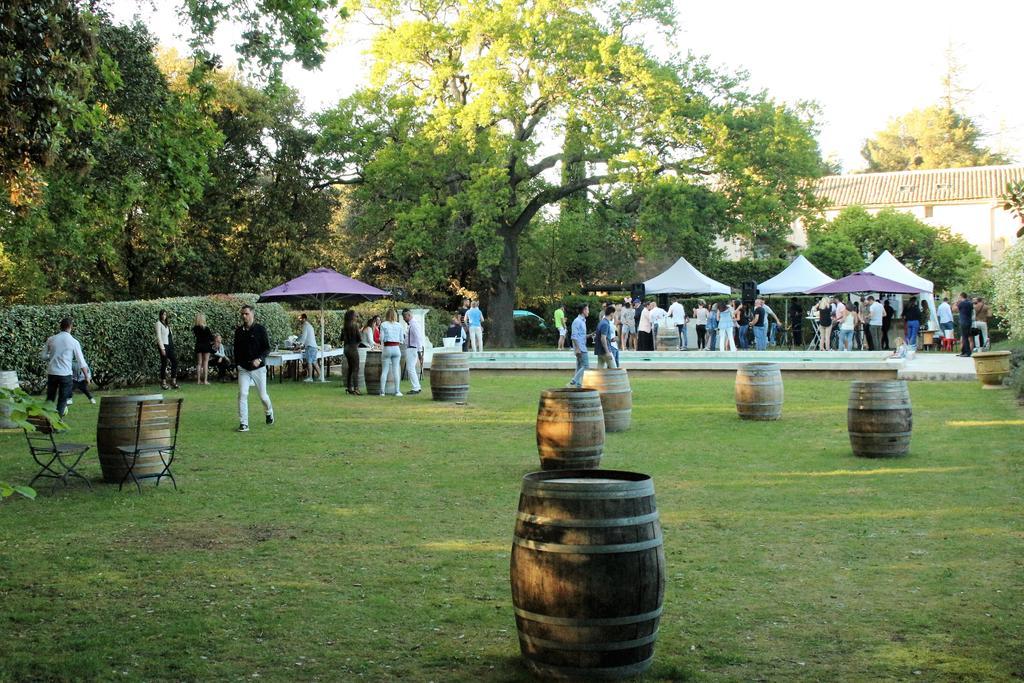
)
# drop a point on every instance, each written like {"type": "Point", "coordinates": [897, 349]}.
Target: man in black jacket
{"type": "Point", "coordinates": [251, 349]}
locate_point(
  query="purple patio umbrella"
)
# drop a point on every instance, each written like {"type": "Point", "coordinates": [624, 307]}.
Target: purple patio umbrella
{"type": "Point", "coordinates": [864, 282]}
{"type": "Point", "coordinates": [323, 285]}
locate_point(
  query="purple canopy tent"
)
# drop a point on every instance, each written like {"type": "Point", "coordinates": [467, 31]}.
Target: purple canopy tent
{"type": "Point", "coordinates": [864, 282]}
{"type": "Point", "coordinates": [323, 285]}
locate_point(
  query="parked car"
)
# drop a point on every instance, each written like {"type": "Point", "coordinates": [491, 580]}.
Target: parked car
{"type": "Point", "coordinates": [529, 317]}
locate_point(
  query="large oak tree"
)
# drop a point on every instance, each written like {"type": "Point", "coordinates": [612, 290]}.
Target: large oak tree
{"type": "Point", "coordinates": [456, 147]}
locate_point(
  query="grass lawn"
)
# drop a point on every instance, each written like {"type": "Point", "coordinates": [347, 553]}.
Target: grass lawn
{"type": "Point", "coordinates": [368, 538]}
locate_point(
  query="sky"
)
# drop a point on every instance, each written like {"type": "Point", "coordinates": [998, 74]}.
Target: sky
{"type": "Point", "coordinates": [864, 63]}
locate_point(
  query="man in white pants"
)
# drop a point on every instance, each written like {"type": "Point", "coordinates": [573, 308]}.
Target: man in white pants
{"type": "Point", "coordinates": [475, 319]}
{"type": "Point", "coordinates": [413, 349]}
{"type": "Point", "coordinates": [251, 349]}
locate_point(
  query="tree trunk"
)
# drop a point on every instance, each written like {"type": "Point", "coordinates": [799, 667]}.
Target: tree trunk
{"type": "Point", "coordinates": [501, 299]}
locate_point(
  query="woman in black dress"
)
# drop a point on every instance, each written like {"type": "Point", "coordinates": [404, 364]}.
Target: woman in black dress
{"type": "Point", "coordinates": [204, 347]}
{"type": "Point", "coordinates": [350, 338]}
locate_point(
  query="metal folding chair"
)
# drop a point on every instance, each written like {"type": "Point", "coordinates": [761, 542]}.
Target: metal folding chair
{"type": "Point", "coordinates": [156, 438]}
{"type": "Point", "coordinates": [57, 461]}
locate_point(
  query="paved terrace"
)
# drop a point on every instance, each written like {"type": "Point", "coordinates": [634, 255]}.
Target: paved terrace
{"type": "Point", "coordinates": [836, 364]}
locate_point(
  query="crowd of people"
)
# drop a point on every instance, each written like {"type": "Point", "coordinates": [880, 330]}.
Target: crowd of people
{"type": "Point", "coordinates": [727, 326]}
{"type": "Point", "coordinates": [630, 325]}
{"type": "Point", "coordinates": [840, 324]}
{"type": "Point", "coordinates": [67, 368]}
{"type": "Point", "coordinates": [852, 325]}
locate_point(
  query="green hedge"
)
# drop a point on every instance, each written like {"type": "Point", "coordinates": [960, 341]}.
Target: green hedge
{"type": "Point", "coordinates": [119, 340]}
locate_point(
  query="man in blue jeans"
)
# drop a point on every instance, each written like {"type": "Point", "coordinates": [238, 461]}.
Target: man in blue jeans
{"type": "Point", "coordinates": [760, 325]}
{"type": "Point", "coordinates": [965, 310]}
{"type": "Point", "coordinates": [579, 345]}
{"type": "Point", "coordinates": [912, 321]}
{"type": "Point", "coordinates": [60, 350]}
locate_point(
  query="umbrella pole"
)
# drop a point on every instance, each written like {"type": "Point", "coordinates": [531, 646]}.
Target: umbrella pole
{"type": "Point", "coordinates": [323, 377]}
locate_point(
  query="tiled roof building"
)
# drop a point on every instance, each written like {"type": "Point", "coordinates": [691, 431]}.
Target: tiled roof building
{"type": "Point", "coordinates": [910, 188]}
{"type": "Point", "coordinates": [966, 200]}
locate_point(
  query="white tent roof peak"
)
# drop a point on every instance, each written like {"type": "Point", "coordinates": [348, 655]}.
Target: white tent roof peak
{"type": "Point", "coordinates": [886, 265]}
{"type": "Point", "coordinates": [683, 278]}
{"type": "Point", "coordinates": [798, 277]}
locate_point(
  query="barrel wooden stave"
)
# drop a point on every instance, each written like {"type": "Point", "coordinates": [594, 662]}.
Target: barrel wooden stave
{"type": "Point", "coordinates": [449, 376]}
{"type": "Point", "coordinates": [616, 396]}
{"type": "Point", "coordinates": [116, 426]}
{"type": "Point", "coordinates": [759, 391]}
{"type": "Point", "coordinates": [570, 429]}
{"type": "Point", "coordinates": [371, 374]}
{"type": "Point", "coordinates": [587, 573]}
{"type": "Point", "coordinates": [879, 418]}
{"type": "Point", "coordinates": [8, 380]}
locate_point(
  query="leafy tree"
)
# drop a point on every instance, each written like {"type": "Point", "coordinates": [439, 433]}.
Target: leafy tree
{"type": "Point", "coordinates": [933, 253]}
{"type": "Point", "coordinates": [102, 231]}
{"type": "Point", "coordinates": [50, 62]}
{"type": "Point", "coordinates": [263, 212]}
{"type": "Point", "coordinates": [1008, 298]}
{"type": "Point", "coordinates": [834, 254]}
{"type": "Point", "coordinates": [934, 137]}
{"type": "Point", "coordinates": [1013, 201]}
{"type": "Point", "coordinates": [47, 54]}
{"type": "Point", "coordinates": [447, 146]}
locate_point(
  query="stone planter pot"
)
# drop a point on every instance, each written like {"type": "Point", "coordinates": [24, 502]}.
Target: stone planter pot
{"type": "Point", "coordinates": [991, 367]}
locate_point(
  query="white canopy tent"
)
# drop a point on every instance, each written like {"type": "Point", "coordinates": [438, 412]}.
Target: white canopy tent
{"type": "Point", "coordinates": [682, 278]}
{"type": "Point", "coordinates": [886, 265]}
{"type": "Point", "coordinates": [798, 277]}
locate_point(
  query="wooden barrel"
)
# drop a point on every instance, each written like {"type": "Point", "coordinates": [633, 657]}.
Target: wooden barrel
{"type": "Point", "coordinates": [879, 418]}
{"type": "Point", "coordinates": [8, 380]}
{"type": "Point", "coordinates": [570, 429]}
{"type": "Point", "coordinates": [371, 374]}
{"type": "Point", "coordinates": [362, 372]}
{"type": "Point", "coordinates": [616, 396]}
{"type": "Point", "coordinates": [759, 391]}
{"type": "Point", "coordinates": [116, 425]}
{"type": "Point", "coordinates": [587, 573]}
{"type": "Point", "coordinates": [449, 376]}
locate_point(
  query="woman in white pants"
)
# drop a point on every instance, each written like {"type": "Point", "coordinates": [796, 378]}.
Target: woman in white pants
{"type": "Point", "coordinates": [725, 325]}
{"type": "Point", "coordinates": [391, 334]}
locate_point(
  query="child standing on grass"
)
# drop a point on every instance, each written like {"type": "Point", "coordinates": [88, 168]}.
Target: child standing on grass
{"type": "Point", "coordinates": [79, 381]}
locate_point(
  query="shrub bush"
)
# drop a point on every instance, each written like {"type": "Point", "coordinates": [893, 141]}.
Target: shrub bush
{"type": "Point", "coordinates": [119, 338]}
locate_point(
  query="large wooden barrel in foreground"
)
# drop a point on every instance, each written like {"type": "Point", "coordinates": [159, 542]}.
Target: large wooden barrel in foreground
{"type": "Point", "coordinates": [8, 380]}
{"type": "Point", "coordinates": [616, 396]}
{"type": "Point", "coordinates": [587, 573]}
{"type": "Point", "coordinates": [570, 429]}
{"type": "Point", "coordinates": [371, 374]}
{"type": "Point", "coordinates": [879, 418]}
{"type": "Point", "coordinates": [759, 391]}
{"type": "Point", "coordinates": [449, 376]}
{"type": "Point", "coordinates": [116, 425]}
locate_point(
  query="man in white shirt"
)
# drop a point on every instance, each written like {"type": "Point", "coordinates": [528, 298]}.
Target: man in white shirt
{"type": "Point", "coordinates": [945, 315]}
{"type": "Point", "coordinates": [658, 315]}
{"type": "Point", "coordinates": [875, 314]}
{"type": "Point", "coordinates": [771, 329]}
{"type": "Point", "coordinates": [677, 314]}
{"type": "Point", "coordinates": [413, 350]}
{"type": "Point", "coordinates": [61, 348]}
{"type": "Point", "coordinates": [643, 329]}
{"type": "Point", "coordinates": [307, 340]}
